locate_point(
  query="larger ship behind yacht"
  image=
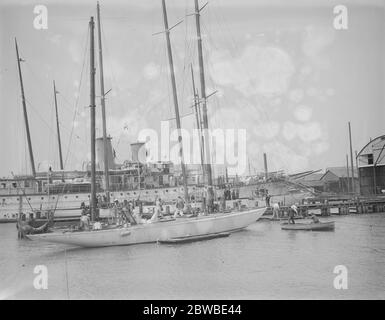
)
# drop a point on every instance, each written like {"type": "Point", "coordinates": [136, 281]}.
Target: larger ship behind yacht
{"type": "Point", "coordinates": [63, 191]}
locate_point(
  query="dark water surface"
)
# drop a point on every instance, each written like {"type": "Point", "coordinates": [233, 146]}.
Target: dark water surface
{"type": "Point", "coordinates": [262, 262]}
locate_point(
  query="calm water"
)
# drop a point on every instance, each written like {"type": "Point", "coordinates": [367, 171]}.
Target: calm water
{"type": "Point", "coordinates": [262, 262]}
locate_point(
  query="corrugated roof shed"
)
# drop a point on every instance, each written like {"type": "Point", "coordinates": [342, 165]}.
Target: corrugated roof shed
{"type": "Point", "coordinates": [312, 177]}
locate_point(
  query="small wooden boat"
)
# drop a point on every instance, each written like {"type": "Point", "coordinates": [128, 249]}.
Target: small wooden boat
{"type": "Point", "coordinates": [25, 228]}
{"type": "Point", "coordinates": [188, 239]}
{"type": "Point", "coordinates": [319, 226]}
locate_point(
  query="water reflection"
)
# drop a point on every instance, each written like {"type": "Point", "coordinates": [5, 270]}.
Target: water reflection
{"type": "Point", "coordinates": [260, 262]}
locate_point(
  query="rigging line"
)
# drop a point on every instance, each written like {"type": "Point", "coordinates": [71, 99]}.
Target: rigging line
{"type": "Point", "coordinates": [77, 97]}
{"type": "Point", "coordinates": [110, 67]}
{"type": "Point", "coordinates": [53, 130]}
{"type": "Point", "coordinates": [66, 103]}
{"type": "Point", "coordinates": [49, 98]}
{"type": "Point", "coordinates": [40, 116]}
{"type": "Point", "coordinates": [23, 190]}
{"type": "Point", "coordinates": [41, 81]}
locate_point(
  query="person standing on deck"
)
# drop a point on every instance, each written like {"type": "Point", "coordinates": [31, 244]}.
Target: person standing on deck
{"type": "Point", "coordinates": [275, 210]}
{"type": "Point", "coordinates": [203, 210]}
{"type": "Point", "coordinates": [294, 207]}
{"type": "Point", "coordinates": [179, 207]}
{"type": "Point", "coordinates": [116, 209]}
{"type": "Point", "coordinates": [267, 199]}
{"type": "Point", "coordinates": [84, 222]}
{"type": "Point", "coordinates": [128, 211]}
{"type": "Point", "coordinates": [223, 202]}
{"type": "Point", "coordinates": [157, 210]}
{"type": "Point", "coordinates": [158, 207]}
{"type": "Point", "coordinates": [233, 195]}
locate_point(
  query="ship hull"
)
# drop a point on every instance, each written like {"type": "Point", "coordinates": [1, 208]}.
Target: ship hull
{"type": "Point", "coordinates": [158, 231]}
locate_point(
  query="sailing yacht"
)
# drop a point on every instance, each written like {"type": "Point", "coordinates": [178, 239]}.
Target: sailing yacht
{"type": "Point", "coordinates": [159, 230]}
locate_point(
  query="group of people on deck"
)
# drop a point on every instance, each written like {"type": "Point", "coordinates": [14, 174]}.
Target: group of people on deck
{"type": "Point", "coordinates": [231, 194]}
{"type": "Point", "coordinates": [124, 212]}
{"type": "Point", "coordinates": [158, 210]}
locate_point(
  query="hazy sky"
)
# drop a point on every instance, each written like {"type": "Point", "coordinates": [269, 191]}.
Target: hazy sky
{"type": "Point", "coordinates": [283, 73]}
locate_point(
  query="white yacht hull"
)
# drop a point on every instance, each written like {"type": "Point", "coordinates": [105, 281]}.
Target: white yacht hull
{"type": "Point", "coordinates": [153, 232]}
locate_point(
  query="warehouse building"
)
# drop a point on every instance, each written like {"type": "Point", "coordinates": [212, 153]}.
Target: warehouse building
{"type": "Point", "coordinates": [371, 167]}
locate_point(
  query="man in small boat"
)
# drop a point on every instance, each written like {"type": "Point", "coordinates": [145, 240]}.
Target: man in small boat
{"type": "Point", "coordinates": [291, 214]}
{"type": "Point", "coordinates": [314, 218]}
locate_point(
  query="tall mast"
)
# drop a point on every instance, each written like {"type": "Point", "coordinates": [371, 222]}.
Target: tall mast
{"type": "Point", "coordinates": [351, 157]}
{"type": "Point", "coordinates": [210, 192]}
{"type": "Point", "coordinates": [198, 120]}
{"type": "Point", "coordinates": [358, 173]}
{"type": "Point", "coordinates": [25, 113]}
{"type": "Point", "coordinates": [175, 97]}
{"type": "Point", "coordinates": [92, 109]}
{"type": "Point", "coordinates": [103, 103]}
{"type": "Point", "coordinates": [347, 172]}
{"type": "Point", "coordinates": [58, 128]}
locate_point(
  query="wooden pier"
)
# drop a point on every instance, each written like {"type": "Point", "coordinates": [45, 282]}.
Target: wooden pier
{"type": "Point", "coordinates": [334, 206]}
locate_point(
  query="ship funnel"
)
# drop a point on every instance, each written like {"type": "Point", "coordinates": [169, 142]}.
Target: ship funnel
{"type": "Point", "coordinates": [100, 154]}
{"type": "Point", "coordinates": [138, 152]}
